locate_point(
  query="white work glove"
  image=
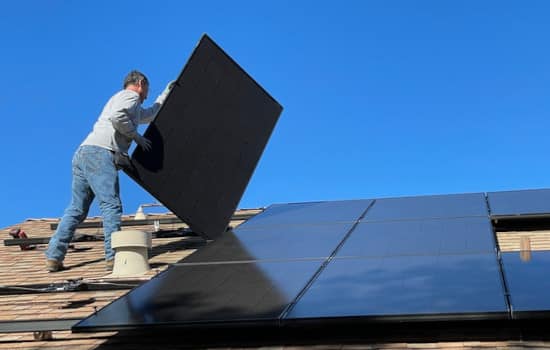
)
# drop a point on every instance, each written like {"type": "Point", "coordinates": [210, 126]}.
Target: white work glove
{"type": "Point", "coordinates": [164, 94]}
{"type": "Point", "coordinates": [143, 142]}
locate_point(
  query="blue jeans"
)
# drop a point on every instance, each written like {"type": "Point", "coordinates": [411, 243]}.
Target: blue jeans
{"type": "Point", "coordinates": [94, 175]}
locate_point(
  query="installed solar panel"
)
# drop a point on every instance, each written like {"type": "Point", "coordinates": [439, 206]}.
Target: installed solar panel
{"type": "Point", "coordinates": [452, 286]}
{"type": "Point", "coordinates": [512, 203]}
{"type": "Point", "coordinates": [413, 237]}
{"type": "Point", "coordinates": [528, 281]}
{"type": "Point", "coordinates": [206, 140]}
{"type": "Point", "coordinates": [308, 213]}
{"type": "Point", "coordinates": [279, 242]}
{"type": "Point", "coordinates": [423, 207]}
{"type": "Point", "coordinates": [211, 293]}
{"type": "Point", "coordinates": [287, 231]}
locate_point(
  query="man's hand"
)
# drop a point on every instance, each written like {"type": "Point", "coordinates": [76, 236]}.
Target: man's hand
{"type": "Point", "coordinates": [166, 91]}
{"type": "Point", "coordinates": [143, 142]}
{"type": "Point", "coordinates": [170, 85]}
{"type": "Point", "coordinates": [122, 161]}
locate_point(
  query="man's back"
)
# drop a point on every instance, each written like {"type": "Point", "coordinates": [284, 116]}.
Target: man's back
{"type": "Point", "coordinates": [123, 103]}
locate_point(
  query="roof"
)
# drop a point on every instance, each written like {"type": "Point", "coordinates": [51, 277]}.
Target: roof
{"type": "Point", "coordinates": [24, 268]}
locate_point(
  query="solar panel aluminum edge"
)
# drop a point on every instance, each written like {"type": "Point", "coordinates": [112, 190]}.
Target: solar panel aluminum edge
{"type": "Point", "coordinates": [518, 203]}
{"type": "Point", "coordinates": [206, 140]}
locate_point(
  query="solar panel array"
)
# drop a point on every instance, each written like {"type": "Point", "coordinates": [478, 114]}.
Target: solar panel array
{"type": "Point", "coordinates": [384, 260]}
{"type": "Point", "coordinates": [412, 256]}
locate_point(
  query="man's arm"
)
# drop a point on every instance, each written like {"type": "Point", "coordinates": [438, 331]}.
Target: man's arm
{"type": "Point", "coordinates": [123, 107]}
{"type": "Point", "coordinates": [149, 114]}
{"type": "Point", "coordinates": [120, 118]}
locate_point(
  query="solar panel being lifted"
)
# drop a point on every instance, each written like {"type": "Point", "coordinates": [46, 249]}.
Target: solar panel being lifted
{"type": "Point", "coordinates": [206, 140]}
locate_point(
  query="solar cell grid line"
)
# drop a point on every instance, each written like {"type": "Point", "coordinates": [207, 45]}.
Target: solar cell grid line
{"type": "Point", "coordinates": [535, 202]}
{"type": "Point", "coordinates": [428, 207]}
{"type": "Point", "coordinates": [206, 140]}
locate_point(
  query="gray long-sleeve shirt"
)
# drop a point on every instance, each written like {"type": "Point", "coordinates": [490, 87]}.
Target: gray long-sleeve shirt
{"type": "Point", "coordinates": [117, 124]}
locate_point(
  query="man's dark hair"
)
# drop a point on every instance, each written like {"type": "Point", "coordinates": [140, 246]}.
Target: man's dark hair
{"type": "Point", "coordinates": [134, 77]}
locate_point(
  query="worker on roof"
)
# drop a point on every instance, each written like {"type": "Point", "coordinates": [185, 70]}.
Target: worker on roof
{"type": "Point", "coordinates": [96, 163]}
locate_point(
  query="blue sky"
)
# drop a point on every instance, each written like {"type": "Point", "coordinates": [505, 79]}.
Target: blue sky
{"type": "Point", "coordinates": [382, 98]}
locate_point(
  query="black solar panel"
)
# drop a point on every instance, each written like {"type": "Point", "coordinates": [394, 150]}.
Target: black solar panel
{"type": "Point", "coordinates": [287, 231]}
{"type": "Point", "coordinates": [528, 281]}
{"type": "Point", "coordinates": [279, 242]}
{"type": "Point", "coordinates": [451, 286]}
{"type": "Point", "coordinates": [308, 213]}
{"type": "Point", "coordinates": [414, 237]}
{"type": "Point", "coordinates": [206, 140]}
{"type": "Point", "coordinates": [422, 207]}
{"type": "Point", "coordinates": [514, 203]}
{"type": "Point", "coordinates": [207, 293]}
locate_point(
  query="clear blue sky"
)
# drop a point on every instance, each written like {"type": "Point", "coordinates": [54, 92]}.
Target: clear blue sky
{"type": "Point", "coordinates": [382, 98]}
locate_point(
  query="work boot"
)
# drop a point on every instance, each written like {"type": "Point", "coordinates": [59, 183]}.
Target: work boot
{"type": "Point", "coordinates": [54, 265]}
{"type": "Point", "coordinates": [109, 264]}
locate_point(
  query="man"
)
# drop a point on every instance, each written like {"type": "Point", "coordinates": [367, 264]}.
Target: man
{"type": "Point", "coordinates": [95, 165]}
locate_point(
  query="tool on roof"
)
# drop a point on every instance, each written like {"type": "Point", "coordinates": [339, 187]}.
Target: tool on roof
{"type": "Point", "coordinates": [44, 240]}
{"type": "Point", "coordinates": [71, 285]}
{"type": "Point", "coordinates": [17, 233]}
{"type": "Point", "coordinates": [168, 220]}
{"type": "Point", "coordinates": [182, 232]}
